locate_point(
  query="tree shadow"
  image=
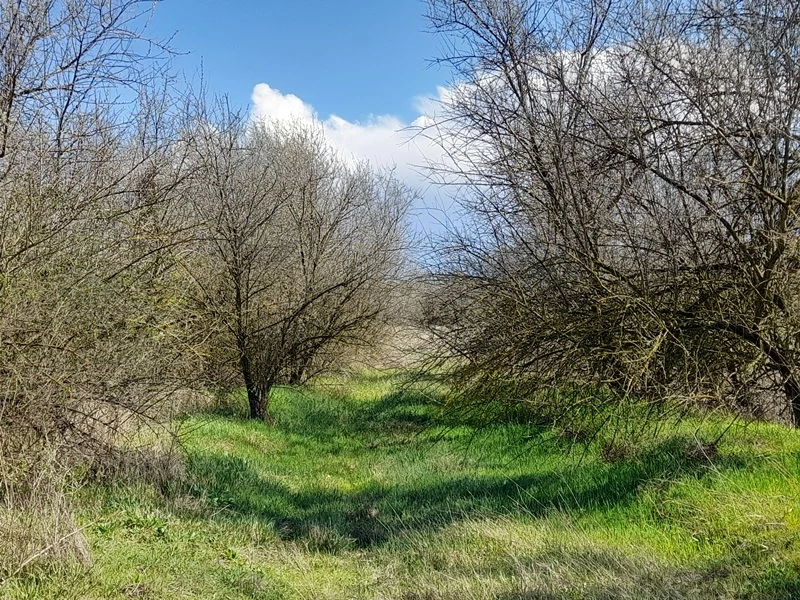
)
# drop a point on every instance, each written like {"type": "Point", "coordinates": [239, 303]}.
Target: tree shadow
{"type": "Point", "coordinates": [312, 415]}
{"type": "Point", "coordinates": [401, 410]}
{"type": "Point", "coordinates": [625, 576]}
{"type": "Point", "coordinates": [568, 572]}
{"type": "Point", "coordinates": [377, 513]}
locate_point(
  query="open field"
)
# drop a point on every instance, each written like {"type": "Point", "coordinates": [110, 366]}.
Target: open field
{"type": "Point", "coordinates": [360, 489]}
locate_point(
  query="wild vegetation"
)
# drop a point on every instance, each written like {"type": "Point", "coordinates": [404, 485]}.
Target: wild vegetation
{"type": "Point", "coordinates": [185, 292]}
{"type": "Point", "coordinates": [298, 251]}
{"type": "Point", "coordinates": [363, 488]}
{"type": "Point", "coordinates": [630, 174]}
{"type": "Point", "coordinates": [148, 242]}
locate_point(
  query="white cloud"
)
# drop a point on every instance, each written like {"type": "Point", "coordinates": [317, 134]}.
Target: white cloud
{"type": "Point", "coordinates": [383, 140]}
{"type": "Point", "coordinates": [269, 103]}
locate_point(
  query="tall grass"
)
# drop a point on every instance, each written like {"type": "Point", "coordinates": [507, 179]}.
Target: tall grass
{"type": "Point", "coordinates": [37, 523]}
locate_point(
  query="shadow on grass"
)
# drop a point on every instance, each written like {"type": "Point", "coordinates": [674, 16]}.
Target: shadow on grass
{"type": "Point", "coordinates": [777, 581]}
{"type": "Point", "coordinates": [374, 514]}
{"type": "Point", "coordinates": [321, 417]}
{"type": "Point", "coordinates": [322, 519]}
{"type": "Point", "coordinates": [327, 425]}
{"type": "Point", "coordinates": [558, 573]}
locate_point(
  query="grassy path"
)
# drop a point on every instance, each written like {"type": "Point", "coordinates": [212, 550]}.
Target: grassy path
{"type": "Point", "coordinates": [358, 491]}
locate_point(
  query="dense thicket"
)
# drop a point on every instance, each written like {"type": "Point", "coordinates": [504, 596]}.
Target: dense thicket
{"type": "Point", "coordinates": [149, 242]}
{"type": "Point", "coordinates": [94, 332]}
{"type": "Point", "coordinates": [630, 174]}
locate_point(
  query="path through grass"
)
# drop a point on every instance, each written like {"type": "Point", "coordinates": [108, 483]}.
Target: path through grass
{"type": "Point", "coordinates": [359, 490]}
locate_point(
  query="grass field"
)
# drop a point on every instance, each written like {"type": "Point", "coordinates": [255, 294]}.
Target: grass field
{"type": "Point", "coordinates": [361, 490]}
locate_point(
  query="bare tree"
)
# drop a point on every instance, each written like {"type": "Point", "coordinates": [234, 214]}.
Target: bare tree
{"type": "Point", "coordinates": [297, 247]}
{"type": "Point", "coordinates": [94, 325]}
{"type": "Point", "coordinates": [349, 239]}
{"type": "Point", "coordinates": [632, 179]}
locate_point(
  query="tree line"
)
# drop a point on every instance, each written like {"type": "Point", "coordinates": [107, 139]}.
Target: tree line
{"type": "Point", "coordinates": [628, 172]}
{"type": "Point", "coordinates": [154, 243]}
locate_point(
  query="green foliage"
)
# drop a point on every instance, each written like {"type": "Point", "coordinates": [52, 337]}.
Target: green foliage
{"type": "Point", "coordinates": [365, 489]}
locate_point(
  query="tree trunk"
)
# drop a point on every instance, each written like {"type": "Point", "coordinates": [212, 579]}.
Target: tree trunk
{"type": "Point", "coordinates": [258, 399]}
{"type": "Point", "coordinates": [297, 374]}
{"type": "Point", "coordinates": [257, 391]}
{"type": "Point", "coordinates": [791, 388]}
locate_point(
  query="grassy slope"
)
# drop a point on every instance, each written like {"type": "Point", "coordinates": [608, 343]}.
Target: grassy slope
{"type": "Point", "coordinates": [357, 491]}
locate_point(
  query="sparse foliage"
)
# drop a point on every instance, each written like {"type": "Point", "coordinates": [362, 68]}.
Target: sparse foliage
{"type": "Point", "coordinates": [93, 324]}
{"type": "Point", "coordinates": [96, 335]}
{"type": "Point", "coordinates": [631, 172]}
{"type": "Point", "coordinates": [298, 250]}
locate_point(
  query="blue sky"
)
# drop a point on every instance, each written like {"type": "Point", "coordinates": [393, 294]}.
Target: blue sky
{"type": "Point", "coordinates": [352, 58]}
{"type": "Point", "coordinates": [358, 69]}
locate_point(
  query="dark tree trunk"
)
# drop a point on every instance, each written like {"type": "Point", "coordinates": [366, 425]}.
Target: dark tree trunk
{"type": "Point", "coordinates": [258, 399]}
{"type": "Point", "coordinates": [791, 388]}
{"type": "Point", "coordinates": [296, 377]}
{"type": "Point", "coordinates": [257, 391]}
{"type": "Point", "coordinates": [297, 374]}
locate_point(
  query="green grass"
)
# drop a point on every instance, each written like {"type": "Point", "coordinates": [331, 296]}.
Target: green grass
{"type": "Point", "coordinates": [360, 489]}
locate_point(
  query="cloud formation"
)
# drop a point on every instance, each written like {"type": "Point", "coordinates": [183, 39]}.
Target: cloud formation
{"type": "Point", "coordinates": [383, 140]}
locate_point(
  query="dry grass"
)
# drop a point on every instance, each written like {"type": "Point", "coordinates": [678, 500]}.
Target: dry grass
{"type": "Point", "coordinates": [37, 522]}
